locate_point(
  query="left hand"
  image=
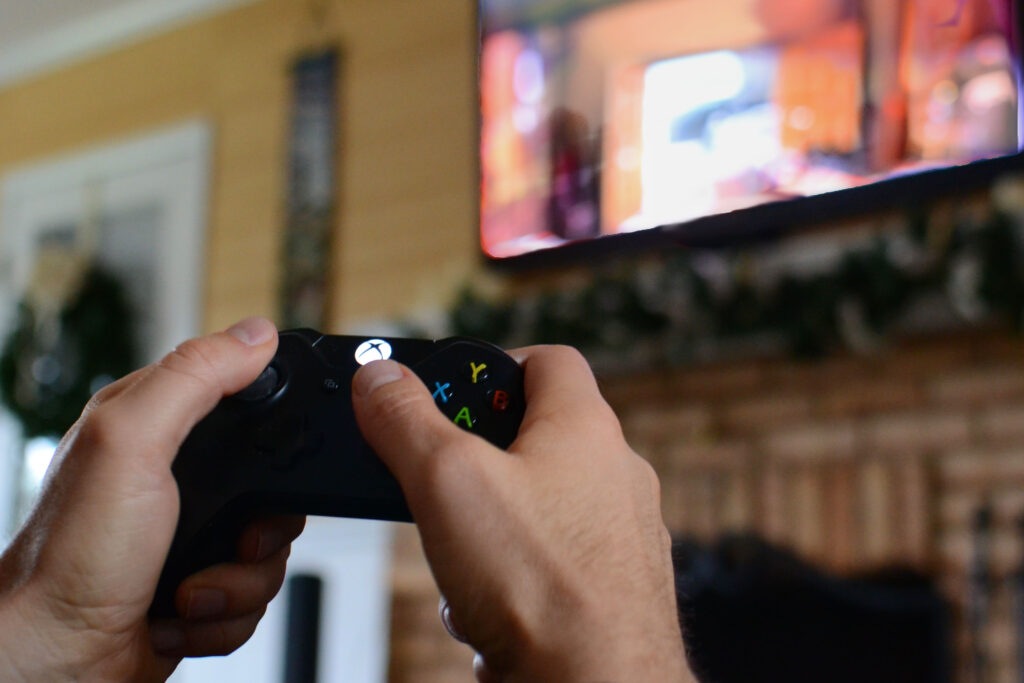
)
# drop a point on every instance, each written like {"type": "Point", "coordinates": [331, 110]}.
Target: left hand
{"type": "Point", "coordinates": [78, 580]}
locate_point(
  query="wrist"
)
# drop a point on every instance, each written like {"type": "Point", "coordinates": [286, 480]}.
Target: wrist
{"type": "Point", "coordinates": [607, 661]}
{"type": "Point", "coordinates": [607, 648]}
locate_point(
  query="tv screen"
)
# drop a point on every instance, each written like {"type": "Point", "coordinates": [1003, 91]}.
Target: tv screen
{"type": "Point", "coordinates": [602, 118]}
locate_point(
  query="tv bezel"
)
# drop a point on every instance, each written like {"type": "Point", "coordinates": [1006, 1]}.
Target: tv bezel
{"type": "Point", "coordinates": [762, 223]}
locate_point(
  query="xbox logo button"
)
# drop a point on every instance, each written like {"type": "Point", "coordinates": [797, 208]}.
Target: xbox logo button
{"type": "Point", "coordinates": [371, 350]}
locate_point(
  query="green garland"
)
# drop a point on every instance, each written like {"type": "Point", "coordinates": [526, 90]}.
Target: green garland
{"type": "Point", "coordinates": [692, 305]}
{"type": "Point", "coordinates": [46, 385]}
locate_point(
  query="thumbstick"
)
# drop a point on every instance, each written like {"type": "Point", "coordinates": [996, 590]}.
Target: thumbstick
{"type": "Point", "coordinates": [262, 388]}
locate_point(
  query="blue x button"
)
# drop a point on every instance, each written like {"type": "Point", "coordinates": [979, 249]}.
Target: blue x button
{"type": "Point", "coordinates": [442, 393]}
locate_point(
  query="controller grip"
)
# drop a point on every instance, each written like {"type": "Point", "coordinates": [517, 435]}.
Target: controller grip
{"type": "Point", "coordinates": [208, 534]}
{"type": "Point", "coordinates": [198, 546]}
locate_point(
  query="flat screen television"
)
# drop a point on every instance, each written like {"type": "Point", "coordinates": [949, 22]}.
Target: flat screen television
{"type": "Point", "coordinates": [608, 125]}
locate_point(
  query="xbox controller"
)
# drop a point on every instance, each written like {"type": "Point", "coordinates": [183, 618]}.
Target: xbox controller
{"type": "Point", "coordinates": [289, 443]}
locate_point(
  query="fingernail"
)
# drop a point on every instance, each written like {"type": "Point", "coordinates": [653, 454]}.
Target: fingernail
{"type": "Point", "coordinates": [205, 602]}
{"type": "Point", "coordinates": [253, 331]}
{"type": "Point", "coordinates": [166, 637]}
{"type": "Point", "coordinates": [374, 375]}
{"type": "Point", "coordinates": [449, 623]}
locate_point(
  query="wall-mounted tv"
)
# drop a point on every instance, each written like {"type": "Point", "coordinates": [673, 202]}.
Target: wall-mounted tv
{"type": "Point", "coordinates": [611, 124]}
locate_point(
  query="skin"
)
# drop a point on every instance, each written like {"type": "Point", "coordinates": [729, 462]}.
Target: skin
{"type": "Point", "coordinates": [78, 579]}
{"type": "Point", "coordinates": [553, 555]}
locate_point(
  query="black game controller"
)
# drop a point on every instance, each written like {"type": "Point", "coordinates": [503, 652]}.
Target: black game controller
{"type": "Point", "coordinates": [289, 443]}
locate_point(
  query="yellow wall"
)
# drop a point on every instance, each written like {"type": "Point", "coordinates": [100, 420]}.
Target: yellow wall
{"type": "Point", "coordinates": [405, 232]}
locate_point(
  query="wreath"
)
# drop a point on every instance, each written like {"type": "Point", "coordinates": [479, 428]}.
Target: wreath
{"type": "Point", "coordinates": [673, 310]}
{"type": "Point", "coordinates": [50, 368]}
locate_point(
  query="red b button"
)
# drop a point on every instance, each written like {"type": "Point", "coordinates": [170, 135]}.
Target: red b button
{"type": "Point", "coordinates": [499, 401]}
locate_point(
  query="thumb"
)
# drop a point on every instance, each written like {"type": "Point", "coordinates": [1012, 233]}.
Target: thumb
{"type": "Point", "coordinates": [158, 411]}
{"type": "Point", "coordinates": [399, 420]}
{"type": "Point", "coordinates": [104, 505]}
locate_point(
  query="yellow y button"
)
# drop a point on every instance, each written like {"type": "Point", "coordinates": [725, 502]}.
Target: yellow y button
{"type": "Point", "coordinates": [479, 372]}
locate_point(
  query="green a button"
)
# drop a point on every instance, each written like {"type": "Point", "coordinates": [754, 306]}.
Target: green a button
{"type": "Point", "coordinates": [464, 419]}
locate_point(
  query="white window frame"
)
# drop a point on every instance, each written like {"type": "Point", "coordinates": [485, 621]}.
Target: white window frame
{"type": "Point", "coordinates": [170, 166]}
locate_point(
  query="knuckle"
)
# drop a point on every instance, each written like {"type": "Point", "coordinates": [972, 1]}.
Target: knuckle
{"type": "Point", "coordinates": [238, 634]}
{"type": "Point", "coordinates": [599, 420]}
{"type": "Point", "coordinates": [653, 479]}
{"type": "Point", "coordinates": [98, 399]}
{"type": "Point", "coordinates": [226, 640]}
{"type": "Point", "coordinates": [649, 477]}
{"type": "Point", "coordinates": [222, 638]}
{"type": "Point", "coordinates": [192, 359]}
{"type": "Point", "coordinates": [666, 539]}
{"type": "Point", "coordinates": [395, 407]}
{"type": "Point", "coordinates": [566, 354]}
{"type": "Point", "coordinates": [446, 465]}
{"type": "Point", "coordinates": [100, 430]}
{"type": "Point", "coordinates": [192, 351]}
{"type": "Point", "coordinates": [101, 396]}
{"type": "Point", "coordinates": [655, 486]}
{"type": "Point", "coordinates": [649, 472]}
{"type": "Point", "coordinates": [452, 444]}
{"type": "Point", "coordinates": [274, 579]}
{"type": "Point", "coordinates": [606, 418]}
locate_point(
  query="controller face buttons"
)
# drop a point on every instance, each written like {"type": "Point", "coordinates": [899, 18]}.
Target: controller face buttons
{"type": "Point", "coordinates": [371, 350]}
{"type": "Point", "coordinates": [464, 419]}
{"type": "Point", "coordinates": [442, 392]}
{"type": "Point", "coordinates": [476, 372]}
{"type": "Point", "coordinates": [498, 400]}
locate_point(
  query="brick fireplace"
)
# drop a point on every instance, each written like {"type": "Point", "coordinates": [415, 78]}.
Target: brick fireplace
{"type": "Point", "coordinates": [853, 462]}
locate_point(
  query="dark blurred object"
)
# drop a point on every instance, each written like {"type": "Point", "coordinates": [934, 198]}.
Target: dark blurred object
{"type": "Point", "coordinates": [51, 365]}
{"type": "Point", "coordinates": [312, 182]}
{"type": "Point", "coordinates": [942, 271]}
{"type": "Point", "coordinates": [979, 594]}
{"type": "Point", "coordinates": [1018, 606]}
{"type": "Point", "coordinates": [573, 204]}
{"type": "Point", "coordinates": [754, 613]}
{"type": "Point", "coordinates": [302, 634]}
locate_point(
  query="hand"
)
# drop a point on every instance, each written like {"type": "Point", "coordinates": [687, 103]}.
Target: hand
{"type": "Point", "coordinates": [77, 582]}
{"type": "Point", "coordinates": [553, 556]}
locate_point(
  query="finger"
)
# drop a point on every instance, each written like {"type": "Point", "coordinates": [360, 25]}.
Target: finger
{"type": "Point", "coordinates": [444, 610]}
{"type": "Point", "coordinates": [264, 537]}
{"type": "Point", "coordinates": [231, 590]}
{"type": "Point", "coordinates": [482, 673]}
{"type": "Point", "coordinates": [399, 420]}
{"type": "Point", "coordinates": [203, 639]}
{"type": "Point", "coordinates": [559, 387]}
{"type": "Point", "coordinates": [185, 385]}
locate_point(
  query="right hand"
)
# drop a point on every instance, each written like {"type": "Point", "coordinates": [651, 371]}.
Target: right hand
{"type": "Point", "coordinates": [553, 556]}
